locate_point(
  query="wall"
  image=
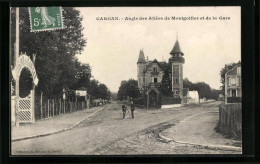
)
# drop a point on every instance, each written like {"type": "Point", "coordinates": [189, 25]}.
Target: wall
{"type": "Point", "coordinates": [230, 120]}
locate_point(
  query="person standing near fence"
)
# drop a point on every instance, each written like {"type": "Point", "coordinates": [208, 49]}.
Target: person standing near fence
{"type": "Point", "coordinates": [132, 109]}
{"type": "Point", "coordinates": [124, 110]}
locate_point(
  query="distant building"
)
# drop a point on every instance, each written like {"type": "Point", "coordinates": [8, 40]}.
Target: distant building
{"type": "Point", "coordinates": [233, 85]}
{"type": "Point", "coordinates": [190, 97]}
{"type": "Point", "coordinates": [193, 97]}
{"type": "Point", "coordinates": [150, 73]}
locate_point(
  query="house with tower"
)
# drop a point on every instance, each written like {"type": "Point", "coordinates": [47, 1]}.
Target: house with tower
{"type": "Point", "coordinates": [150, 74]}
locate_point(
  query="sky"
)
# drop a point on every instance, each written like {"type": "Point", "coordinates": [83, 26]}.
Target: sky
{"type": "Point", "coordinates": [113, 46]}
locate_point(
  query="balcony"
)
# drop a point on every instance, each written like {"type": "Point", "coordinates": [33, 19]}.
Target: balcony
{"type": "Point", "coordinates": [176, 60]}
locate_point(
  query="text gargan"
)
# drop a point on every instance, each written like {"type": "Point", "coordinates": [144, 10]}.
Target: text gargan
{"type": "Point", "coordinates": [107, 18]}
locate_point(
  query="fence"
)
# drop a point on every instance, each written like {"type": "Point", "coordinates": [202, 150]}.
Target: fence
{"type": "Point", "coordinates": [46, 108]}
{"type": "Point", "coordinates": [230, 120]}
{"type": "Point", "coordinates": [140, 102]}
{"type": "Point", "coordinates": [234, 99]}
{"type": "Point", "coordinates": [170, 100]}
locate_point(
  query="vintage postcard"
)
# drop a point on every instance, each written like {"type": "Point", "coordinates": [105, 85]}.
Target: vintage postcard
{"type": "Point", "coordinates": [125, 80]}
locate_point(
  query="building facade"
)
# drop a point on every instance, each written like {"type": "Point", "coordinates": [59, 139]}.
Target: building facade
{"type": "Point", "coordinates": [233, 85]}
{"type": "Point", "coordinates": [150, 74]}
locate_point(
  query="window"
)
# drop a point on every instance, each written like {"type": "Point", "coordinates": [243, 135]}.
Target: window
{"type": "Point", "coordinates": [155, 68]}
{"type": "Point", "coordinates": [232, 81]}
{"type": "Point", "coordinates": [239, 70]}
{"type": "Point", "coordinates": [175, 80]}
{"type": "Point", "coordinates": [175, 70]}
{"type": "Point", "coordinates": [176, 92]}
{"type": "Point", "coordinates": [155, 80]}
{"type": "Point", "coordinates": [233, 93]}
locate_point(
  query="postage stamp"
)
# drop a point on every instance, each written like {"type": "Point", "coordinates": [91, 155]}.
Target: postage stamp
{"type": "Point", "coordinates": [45, 18]}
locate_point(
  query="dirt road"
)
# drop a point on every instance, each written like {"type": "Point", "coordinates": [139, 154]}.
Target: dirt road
{"type": "Point", "coordinates": [107, 133]}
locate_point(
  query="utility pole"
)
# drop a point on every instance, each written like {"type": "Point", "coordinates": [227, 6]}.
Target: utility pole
{"type": "Point", "coordinates": [17, 38]}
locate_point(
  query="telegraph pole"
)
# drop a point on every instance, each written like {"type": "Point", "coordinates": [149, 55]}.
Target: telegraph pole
{"type": "Point", "coordinates": [17, 38]}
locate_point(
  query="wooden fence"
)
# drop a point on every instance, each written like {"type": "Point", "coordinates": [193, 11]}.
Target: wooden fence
{"type": "Point", "coordinates": [54, 107]}
{"type": "Point", "coordinates": [230, 120]}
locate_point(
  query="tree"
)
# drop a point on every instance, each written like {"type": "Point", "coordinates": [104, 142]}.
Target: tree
{"type": "Point", "coordinates": [83, 75]}
{"type": "Point", "coordinates": [188, 84]}
{"type": "Point", "coordinates": [166, 86]}
{"type": "Point", "coordinates": [114, 96]}
{"type": "Point", "coordinates": [55, 50]}
{"type": "Point", "coordinates": [122, 92]}
{"type": "Point", "coordinates": [128, 89]}
{"type": "Point", "coordinates": [203, 89]}
{"type": "Point", "coordinates": [93, 89]}
{"type": "Point", "coordinates": [103, 91]}
{"type": "Point", "coordinates": [223, 71]}
{"type": "Point", "coordinates": [215, 94]}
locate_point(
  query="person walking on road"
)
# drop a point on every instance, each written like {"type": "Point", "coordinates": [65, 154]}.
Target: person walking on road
{"type": "Point", "coordinates": [132, 109]}
{"type": "Point", "coordinates": [124, 110]}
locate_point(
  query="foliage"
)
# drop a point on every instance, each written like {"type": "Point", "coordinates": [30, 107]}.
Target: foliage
{"type": "Point", "coordinates": [98, 90]}
{"type": "Point", "coordinates": [114, 96]}
{"type": "Point", "coordinates": [103, 91]}
{"type": "Point", "coordinates": [223, 71]}
{"type": "Point", "coordinates": [203, 89]}
{"type": "Point", "coordinates": [93, 89]}
{"type": "Point", "coordinates": [55, 51]}
{"type": "Point", "coordinates": [25, 81]}
{"type": "Point", "coordinates": [128, 89]}
{"type": "Point", "coordinates": [166, 86]}
{"type": "Point", "coordinates": [83, 75]}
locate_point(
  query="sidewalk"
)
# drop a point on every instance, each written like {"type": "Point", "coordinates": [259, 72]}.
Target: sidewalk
{"type": "Point", "coordinates": [52, 125]}
{"type": "Point", "coordinates": [199, 130]}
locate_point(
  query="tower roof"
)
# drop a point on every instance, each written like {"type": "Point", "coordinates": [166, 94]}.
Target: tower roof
{"type": "Point", "coordinates": [141, 58]}
{"type": "Point", "coordinates": [176, 48]}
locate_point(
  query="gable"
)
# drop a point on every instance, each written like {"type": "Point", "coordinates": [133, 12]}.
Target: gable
{"type": "Point", "coordinates": [234, 71]}
{"type": "Point", "coordinates": [150, 67]}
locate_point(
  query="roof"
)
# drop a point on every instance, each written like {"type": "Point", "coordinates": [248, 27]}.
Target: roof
{"type": "Point", "coordinates": [164, 65]}
{"type": "Point", "coordinates": [239, 64]}
{"type": "Point", "coordinates": [176, 48]}
{"type": "Point", "coordinates": [141, 58]}
{"type": "Point", "coordinates": [155, 61]}
{"type": "Point", "coordinates": [152, 88]}
{"type": "Point", "coordinates": [150, 63]}
{"type": "Point", "coordinates": [193, 94]}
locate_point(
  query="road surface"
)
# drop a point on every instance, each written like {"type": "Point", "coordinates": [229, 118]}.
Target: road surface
{"type": "Point", "coordinates": [106, 133]}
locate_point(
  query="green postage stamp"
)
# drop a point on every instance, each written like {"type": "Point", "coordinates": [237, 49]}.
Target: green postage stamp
{"type": "Point", "coordinates": [45, 18]}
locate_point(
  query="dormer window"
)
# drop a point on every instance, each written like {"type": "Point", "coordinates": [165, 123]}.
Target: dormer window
{"type": "Point", "coordinates": [155, 69]}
